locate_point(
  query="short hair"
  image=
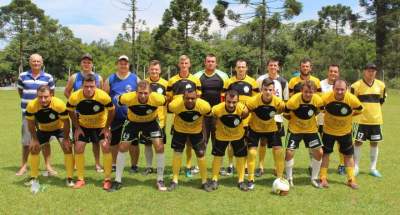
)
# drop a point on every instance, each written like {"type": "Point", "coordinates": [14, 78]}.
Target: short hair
{"type": "Point", "coordinates": [340, 80]}
{"type": "Point", "coordinates": [36, 55]}
{"type": "Point", "coordinates": [89, 78]}
{"type": "Point", "coordinates": [305, 60]}
{"type": "Point", "coordinates": [333, 65]}
{"type": "Point", "coordinates": [309, 84]}
{"type": "Point", "coordinates": [211, 55]}
{"type": "Point", "coordinates": [266, 82]}
{"type": "Point", "coordinates": [272, 60]}
{"type": "Point", "coordinates": [154, 62]}
{"type": "Point", "coordinates": [43, 88]}
{"type": "Point", "coordinates": [231, 93]}
{"type": "Point", "coordinates": [189, 90]}
{"type": "Point", "coordinates": [240, 60]}
{"type": "Point", "coordinates": [143, 85]}
{"type": "Point", "coordinates": [184, 57]}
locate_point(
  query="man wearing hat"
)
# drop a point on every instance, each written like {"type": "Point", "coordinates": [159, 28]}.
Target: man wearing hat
{"type": "Point", "coordinates": [75, 82]}
{"type": "Point", "coordinates": [372, 94]}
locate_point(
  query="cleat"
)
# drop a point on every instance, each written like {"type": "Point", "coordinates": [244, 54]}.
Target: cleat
{"type": "Point", "coordinates": [229, 170]}
{"type": "Point", "coordinates": [79, 184]}
{"type": "Point", "coordinates": [161, 186]}
{"type": "Point", "coordinates": [99, 169]}
{"type": "Point", "coordinates": [134, 169]}
{"type": "Point", "coordinates": [341, 170]}
{"type": "Point", "coordinates": [188, 173]}
{"type": "Point", "coordinates": [291, 182]}
{"type": "Point", "coordinates": [69, 182]}
{"type": "Point", "coordinates": [352, 184]}
{"type": "Point", "coordinates": [222, 171]}
{"type": "Point", "coordinates": [207, 187]}
{"type": "Point", "coordinates": [35, 187]}
{"type": "Point", "coordinates": [148, 171]}
{"type": "Point", "coordinates": [214, 184]}
{"type": "Point", "coordinates": [315, 183]}
{"type": "Point", "coordinates": [242, 186]}
{"type": "Point", "coordinates": [172, 186]}
{"type": "Point", "coordinates": [115, 186]}
{"type": "Point", "coordinates": [375, 173]}
{"type": "Point", "coordinates": [324, 183]}
{"type": "Point", "coordinates": [250, 185]}
{"type": "Point", "coordinates": [107, 184]}
{"type": "Point", "coordinates": [259, 172]}
{"type": "Point", "coordinates": [29, 181]}
{"type": "Point", "coordinates": [195, 170]}
{"type": "Point", "coordinates": [114, 168]}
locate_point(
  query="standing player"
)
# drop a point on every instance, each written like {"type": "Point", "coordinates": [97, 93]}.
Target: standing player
{"type": "Point", "coordinates": [246, 87]}
{"type": "Point", "coordinates": [301, 111]}
{"type": "Point", "coordinates": [372, 94]}
{"type": "Point", "coordinates": [230, 131]}
{"type": "Point", "coordinates": [123, 81]}
{"type": "Point", "coordinates": [305, 74]}
{"type": "Point", "coordinates": [96, 112]}
{"type": "Point", "coordinates": [189, 113]}
{"type": "Point", "coordinates": [262, 126]}
{"type": "Point", "coordinates": [282, 92]}
{"type": "Point", "coordinates": [75, 83]}
{"type": "Point", "coordinates": [28, 82]}
{"type": "Point", "coordinates": [142, 115]}
{"type": "Point", "coordinates": [177, 85]}
{"type": "Point", "coordinates": [340, 107]}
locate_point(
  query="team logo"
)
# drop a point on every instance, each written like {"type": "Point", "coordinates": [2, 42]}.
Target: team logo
{"type": "Point", "coordinates": [128, 88]}
{"type": "Point", "coordinates": [272, 114]}
{"type": "Point", "coordinates": [310, 113]}
{"type": "Point", "coordinates": [246, 89]}
{"type": "Point", "coordinates": [160, 90]}
{"type": "Point", "coordinates": [96, 108]}
{"type": "Point", "coordinates": [52, 116]}
{"type": "Point", "coordinates": [236, 122]}
{"type": "Point", "coordinates": [343, 110]}
{"type": "Point", "coordinates": [195, 117]}
{"type": "Point", "coordinates": [188, 86]}
{"type": "Point", "coordinates": [149, 111]}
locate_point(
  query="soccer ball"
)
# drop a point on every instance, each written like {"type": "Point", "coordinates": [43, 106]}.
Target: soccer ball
{"type": "Point", "coordinates": [280, 186]}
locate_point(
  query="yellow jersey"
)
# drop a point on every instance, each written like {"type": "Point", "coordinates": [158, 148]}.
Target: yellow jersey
{"type": "Point", "coordinates": [178, 85]}
{"type": "Point", "coordinates": [296, 82]}
{"type": "Point", "coordinates": [138, 112]}
{"type": "Point", "coordinates": [262, 117]}
{"type": "Point", "coordinates": [229, 125]}
{"type": "Point", "coordinates": [47, 118]}
{"type": "Point", "coordinates": [303, 114]}
{"type": "Point", "coordinates": [160, 86]}
{"type": "Point", "coordinates": [372, 97]}
{"type": "Point", "coordinates": [339, 114]}
{"type": "Point", "coordinates": [93, 112]}
{"type": "Point", "coordinates": [189, 121]}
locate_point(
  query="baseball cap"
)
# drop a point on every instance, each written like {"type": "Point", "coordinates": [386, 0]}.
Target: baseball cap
{"type": "Point", "coordinates": [123, 57]}
{"type": "Point", "coordinates": [370, 66]}
{"type": "Point", "coordinates": [87, 56]}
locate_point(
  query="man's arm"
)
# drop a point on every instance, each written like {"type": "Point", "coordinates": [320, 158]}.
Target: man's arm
{"type": "Point", "coordinates": [68, 87]}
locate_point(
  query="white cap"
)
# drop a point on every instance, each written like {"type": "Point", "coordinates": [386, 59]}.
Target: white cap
{"type": "Point", "coordinates": [123, 57]}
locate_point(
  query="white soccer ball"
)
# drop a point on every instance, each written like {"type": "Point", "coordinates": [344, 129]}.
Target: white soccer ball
{"type": "Point", "coordinates": [280, 185]}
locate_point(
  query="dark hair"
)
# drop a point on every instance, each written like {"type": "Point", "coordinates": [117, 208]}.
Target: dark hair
{"type": "Point", "coordinates": [334, 65]}
{"type": "Point", "coordinates": [305, 60]}
{"type": "Point", "coordinates": [231, 94]}
{"type": "Point", "coordinates": [43, 88]}
{"type": "Point", "coordinates": [89, 78]}
{"type": "Point", "coordinates": [272, 60]}
{"type": "Point", "coordinates": [266, 82]}
{"type": "Point", "coordinates": [211, 55]}
{"type": "Point", "coordinates": [154, 62]}
{"type": "Point", "coordinates": [189, 90]}
{"type": "Point", "coordinates": [309, 84]}
{"type": "Point", "coordinates": [143, 85]}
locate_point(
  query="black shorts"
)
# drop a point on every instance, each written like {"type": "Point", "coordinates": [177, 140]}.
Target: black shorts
{"type": "Point", "coordinates": [136, 132]}
{"type": "Point", "coordinates": [179, 141]}
{"type": "Point", "coordinates": [281, 129]}
{"type": "Point", "coordinates": [44, 136]}
{"type": "Point", "coordinates": [91, 135]}
{"type": "Point", "coordinates": [345, 143]}
{"type": "Point", "coordinates": [239, 148]}
{"type": "Point", "coordinates": [116, 132]}
{"type": "Point", "coordinates": [273, 138]}
{"type": "Point", "coordinates": [372, 133]}
{"type": "Point", "coordinates": [311, 140]}
{"type": "Point", "coordinates": [209, 129]}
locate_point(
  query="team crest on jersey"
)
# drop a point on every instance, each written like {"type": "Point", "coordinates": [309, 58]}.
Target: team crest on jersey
{"type": "Point", "coordinates": [52, 116]}
{"type": "Point", "coordinates": [149, 111]}
{"type": "Point", "coordinates": [195, 117]}
{"type": "Point", "coordinates": [272, 114]}
{"type": "Point", "coordinates": [188, 86]}
{"type": "Point", "coordinates": [343, 110]}
{"type": "Point", "coordinates": [310, 113]}
{"type": "Point", "coordinates": [236, 122]}
{"type": "Point", "coordinates": [160, 90]}
{"type": "Point", "coordinates": [246, 89]}
{"type": "Point", "coordinates": [128, 88]}
{"type": "Point", "coordinates": [96, 108]}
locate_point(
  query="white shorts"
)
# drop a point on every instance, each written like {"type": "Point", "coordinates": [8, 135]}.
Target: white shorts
{"type": "Point", "coordinates": [25, 134]}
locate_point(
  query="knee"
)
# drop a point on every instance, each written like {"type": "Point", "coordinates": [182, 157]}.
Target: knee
{"type": "Point", "coordinates": [200, 153]}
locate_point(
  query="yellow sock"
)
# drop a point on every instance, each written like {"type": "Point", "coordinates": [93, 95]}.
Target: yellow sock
{"type": "Point", "coordinates": [107, 163]}
{"type": "Point", "coordinates": [279, 159]}
{"type": "Point", "coordinates": [341, 159]}
{"type": "Point", "coordinates": [216, 165]}
{"type": "Point", "coordinates": [251, 162]}
{"type": "Point", "coordinates": [240, 161]}
{"type": "Point", "coordinates": [350, 173]}
{"type": "Point", "coordinates": [203, 169]}
{"type": "Point", "coordinates": [176, 165]}
{"type": "Point", "coordinates": [323, 173]}
{"type": "Point", "coordinates": [230, 154]}
{"type": "Point", "coordinates": [80, 165]}
{"type": "Point", "coordinates": [188, 156]}
{"type": "Point", "coordinates": [34, 162]}
{"type": "Point", "coordinates": [69, 165]}
{"type": "Point", "coordinates": [261, 156]}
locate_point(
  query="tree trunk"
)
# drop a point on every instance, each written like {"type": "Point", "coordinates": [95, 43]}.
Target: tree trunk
{"type": "Point", "coordinates": [380, 33]}
{"type": "Point", "coordinates": [21, 47]}
{"type": "Point", "coordinates": [263, 26]}
{"type": "Point", "coordinates": [133, 10]}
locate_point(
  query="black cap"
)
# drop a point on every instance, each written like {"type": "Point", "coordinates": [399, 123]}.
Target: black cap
{"type": "Point", "coordinates": [87, 56]}
{"type": "Point", "coordinates": [370, 66]}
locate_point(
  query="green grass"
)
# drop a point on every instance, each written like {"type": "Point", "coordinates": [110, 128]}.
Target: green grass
{"type": "Point", "coordinates": [139, 195]}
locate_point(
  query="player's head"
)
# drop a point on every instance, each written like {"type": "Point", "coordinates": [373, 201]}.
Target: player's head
{"type": "Point", "coordinates": [370, 71]}
{"type": "Point", "coordinates": [305, 66]}
{"type": "Point", "coordinates": [333, 72]}
{"type": "Point", "coordinates": [241, 69]}
{"type": "Point", "coordinates": [189, 98]}
{"type": "Point", "coordinates": [44, 95]}
{"type": "Point", "coordinates": [184, 63]}
{"type": "Point", "coordinates": [273, 66]}
{"type": "Point", "coordinates": [231, 100]}
{"type": "Point", "coordinates": [123, 64]}
{"type": "Point", "coordinates": [210, 62]}
{"type": "Point", "coordinates": [36, 62]}
{"type": "Point", "coordinates": [87, 62]}
{"type": "Point", "coordinates": [267, 88]}
{"type": "Point", "coordinates": [339, 89]}
{"type": "Point", "coordinates": [89, 85]}
{"type": "Point", "coordinates": [307, 90]}
{"type": "Point", "coordinates": [143, 91]}
{"type": "Point", "coordinates": [154, 69]}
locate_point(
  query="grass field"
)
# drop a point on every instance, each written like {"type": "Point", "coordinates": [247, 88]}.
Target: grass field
{"type": "Point", "coordinates": [139, 196]}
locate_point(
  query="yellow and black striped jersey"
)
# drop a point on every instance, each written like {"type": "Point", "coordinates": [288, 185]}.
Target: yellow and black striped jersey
{"type": "Point", "coordinates": [372, 97]}
{"type": "Point", "coordinates": [189, 121]}
{"type": "Point", "coordinates": [303, 114]}
{"type": "Point", "coordinates": [263, 114]}
{"type": "Point", "coordinates": [139, 112]}
{"type": "Point", "coordinates": [339, 114]}
{"type": "Point", "coordinates": [93, 111]}
{"type": "Point", "coordinates": [178, 85]}
{"type": "Point", "coordinates": [295, 84]}
{"type": "Point", "coordinates": [229, 125]}
{"type": "Point", "coordinates": [160, 86]}
{"type": "Point", "coordinates": [47, 118]}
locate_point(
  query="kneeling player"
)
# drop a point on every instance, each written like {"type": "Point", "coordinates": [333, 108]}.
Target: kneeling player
{"type": "Point", "coordinates": [229, 131]}
{"type": "Point", "coordinates": [142, 116]}
{"type": "Point", "coordinates": [340, 107]}
{"type": "Point", "coordinates": [188, 122]}
{"type": "Point", "coordinates": [51, 116]}
{"type": "Point", "coordinates": [262, 125]}
{"type": "Point", "coordinates": [301, 111]}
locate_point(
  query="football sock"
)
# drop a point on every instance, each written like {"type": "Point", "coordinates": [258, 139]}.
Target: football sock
{"type": "Point", "coordinates": [261, 156]}
{"type": "Point", "coordinates": [176, 165]}
{"type": "Point", "coordinates": [323, 173]}
{"type": "Point", "coordinates": [289, 168]}
{"type": "Point", "coordinates": [188, 156]}
{"type": "Point", "coordinates": [120, 166]}
{"type": "Point", "coordinates": [80, 165]}
{"type": "Point", "coordinates": [216, 165]}
{"type": "Point", "coordinates": [350, 173]}
{"type": "Point", "coordinates": [203, 169]}
{"type": "Point", "coordinates": [315, 165]}
{"type": "Point", "coordinates": [69, 165]}
{"type": "Point", "coordinates": [148, 153]}
{"type": "Point", "coordinates": [251, 162]}
{"type": "Point", "coordinates": [34, 162]}
{"type": "Point", "coordinates": [240, 162]}
{"type": "Point", "coordinates": [107, 163]}
{"type": "Point", "coordinates": [373, 153]}
{"type": "Point", "coordinates": [279, 161]}
{"type": "Point", "coordinates": [160, 166]}
{"type": "Point", "coordinates": [357, 156]}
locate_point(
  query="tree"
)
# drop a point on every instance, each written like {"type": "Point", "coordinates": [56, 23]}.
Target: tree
{"type": "Point", "coordinates": [307, 33]}
{"type": "Point", "coordinates": [130, 23]}
{"type": "Point", "coordinates": [336, 15]}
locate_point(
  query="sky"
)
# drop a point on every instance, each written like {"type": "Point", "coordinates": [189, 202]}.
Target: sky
{"type": "Point", "coordinates": [102, 19]}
